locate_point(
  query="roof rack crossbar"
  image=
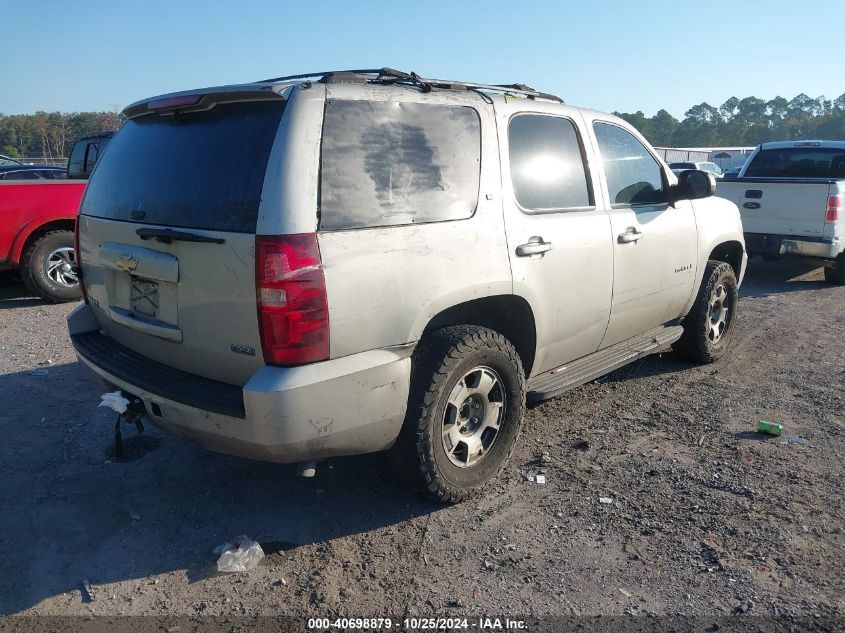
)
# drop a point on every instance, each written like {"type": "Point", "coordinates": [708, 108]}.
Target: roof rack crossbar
{"type": "Point", "coordinates": [369, 71]}
{"type": "Point", "coordinates": [390, 75]}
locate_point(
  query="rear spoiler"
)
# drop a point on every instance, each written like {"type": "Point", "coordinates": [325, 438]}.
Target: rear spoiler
{"type": "Point", "coordinates": [201, 99]}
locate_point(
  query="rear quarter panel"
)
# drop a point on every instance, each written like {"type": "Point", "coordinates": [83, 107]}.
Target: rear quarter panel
{"type": "Point", "coordinates": [27, 206]}
{"type": "Point", "coordinates": [385, 284]}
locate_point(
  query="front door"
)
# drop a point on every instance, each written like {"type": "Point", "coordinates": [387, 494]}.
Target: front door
{"type": "Point", "coordinates": [654, 244]}
{"type": "Point", "coordinates": [559, 241]}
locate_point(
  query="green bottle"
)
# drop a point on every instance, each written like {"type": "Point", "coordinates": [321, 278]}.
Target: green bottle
{"type": "Point", "coordinates": [769, 428]}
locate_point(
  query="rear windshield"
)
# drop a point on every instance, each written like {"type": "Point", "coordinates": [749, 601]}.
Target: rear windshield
{"type": "Point", "coordinates": [682, 166]}
{"type": "Point", "coordinates": [798, 162]}
{"type": "Point", "coordinates": [201, 170]}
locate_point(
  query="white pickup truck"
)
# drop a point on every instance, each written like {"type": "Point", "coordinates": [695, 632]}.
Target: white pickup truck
{"type": "Point", "coordinates": [791, 195]}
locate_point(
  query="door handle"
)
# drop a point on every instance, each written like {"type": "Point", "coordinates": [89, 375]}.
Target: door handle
{"type": "Point", "coordinates": [630, 235]}
{"type": "Point", "coordinates": [534, 248]}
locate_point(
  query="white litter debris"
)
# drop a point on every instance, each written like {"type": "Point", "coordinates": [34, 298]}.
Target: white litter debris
{"type": "Point", "coordinates": [114, 401]}
{"type": "Point", "coordinates": [242, 554]}
{"type": "Point", "coordinates": [605, 500]}
{"type": "Point", "coordinates": [540, 479]}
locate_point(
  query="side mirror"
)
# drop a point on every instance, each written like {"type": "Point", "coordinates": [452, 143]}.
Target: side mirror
{"type": "Point", "coordinates": [694, 184]}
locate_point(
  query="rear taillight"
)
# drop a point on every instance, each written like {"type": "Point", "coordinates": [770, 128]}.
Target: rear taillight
{"type": "Point", "coordinates": [293, 313]}
{"type": "Point", "coordinates": [834, 208]}
{"type": "Point", "coordinates": [77, 261]}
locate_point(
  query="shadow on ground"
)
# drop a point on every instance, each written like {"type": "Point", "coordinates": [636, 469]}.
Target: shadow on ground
{"type": "Point", "coordinates": [791, 274]}
{"type": "Point", "coordinates": [67, 509]}
{"type": "Point", "coordinates": [13, 294]}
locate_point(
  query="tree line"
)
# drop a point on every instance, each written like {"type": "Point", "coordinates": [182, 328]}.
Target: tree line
{"type": "Point", "coordinates": [737, 122]}
{"type": "Point", "coordinates": [50, 135]}
{"type": "Point", "coordinates": [745, 122]}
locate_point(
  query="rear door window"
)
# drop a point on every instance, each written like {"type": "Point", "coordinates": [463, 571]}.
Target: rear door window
{"type": "Point", "coordinates": [202, 170]}
{"type": "Point", "coordinates": [633, 175]}
{"type": "Point", "coordinates": [547, 163]}
{"type": "Point", "coordinates": [389, 163]}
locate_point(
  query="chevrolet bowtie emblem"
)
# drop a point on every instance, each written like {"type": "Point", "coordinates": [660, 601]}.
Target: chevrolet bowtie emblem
{"type": "Point", "coordinates": [126, 263]}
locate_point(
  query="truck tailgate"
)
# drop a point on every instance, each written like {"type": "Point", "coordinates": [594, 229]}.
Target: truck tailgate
{"type": "Point", "coordinates": [779, 206]}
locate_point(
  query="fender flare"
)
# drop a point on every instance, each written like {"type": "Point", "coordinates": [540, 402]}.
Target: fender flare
{"type": "Point", "coordinates": [33, 226]}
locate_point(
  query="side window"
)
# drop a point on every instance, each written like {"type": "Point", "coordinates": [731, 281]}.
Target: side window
{"type": "Point", "coordinates": [546, 163]}
{"type": "Point", "coordinates": [388, 163]}
{"type": "Point", "coordinates": [91, 157]}
{"type": "Point", "coordinates": [633, 176]}
{"type": "Point", "coordinates": [76, 164]}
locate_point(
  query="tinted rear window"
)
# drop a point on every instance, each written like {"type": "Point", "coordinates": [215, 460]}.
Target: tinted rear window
{"type": "Point", "coordinates": [798, 162]}
{"type": "Point", "coordinates": [388, 164]}
{"type": "Point", "coordinates": [202, 170]}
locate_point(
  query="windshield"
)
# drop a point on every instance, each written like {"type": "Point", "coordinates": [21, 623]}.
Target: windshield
{"type": "Point", "coordinates": [202, 170]}
{"type": "Point", "coordinates": [798, 162]}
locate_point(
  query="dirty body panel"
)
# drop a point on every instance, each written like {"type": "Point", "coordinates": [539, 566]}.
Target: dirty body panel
{"type": "Point", "coordinates": [410, 232]}
{"type": "Point", "coordinates": [168, 250]}
{"type": "Point", "coordinates": [347, 406]}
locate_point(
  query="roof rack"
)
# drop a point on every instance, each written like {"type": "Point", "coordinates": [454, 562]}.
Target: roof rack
{"type": "Point", "coordinates": [390, 76]}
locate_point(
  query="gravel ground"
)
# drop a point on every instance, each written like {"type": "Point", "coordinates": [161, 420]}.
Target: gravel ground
{"type": "Point", "coordinates": [706, 518]}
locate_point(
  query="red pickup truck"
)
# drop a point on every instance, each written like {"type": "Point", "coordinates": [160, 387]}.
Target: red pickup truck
{"type": "Point", "coordinates": [37, 221]}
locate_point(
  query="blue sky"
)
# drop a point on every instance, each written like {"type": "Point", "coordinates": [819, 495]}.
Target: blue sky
{"type": "Point", "coordinates": [609, 55]}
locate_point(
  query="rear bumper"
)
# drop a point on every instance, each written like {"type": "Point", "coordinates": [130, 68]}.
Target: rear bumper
{"type": "Point", "coordinates": [776, 245]}
{"type": "Point", "coordinates": [345, 406]}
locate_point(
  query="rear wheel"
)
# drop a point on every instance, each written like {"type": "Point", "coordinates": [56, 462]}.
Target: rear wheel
{"type": "Point", "coordinates": [47, 267]}
{"type": "Point", "coordinates": [465, 411]}
{"type": "Point", "coordinates": [836, 274]}
{"type": "Point", "coordinates": [709, 325]}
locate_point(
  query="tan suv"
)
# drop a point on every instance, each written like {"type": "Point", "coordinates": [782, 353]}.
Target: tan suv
{"type": "Point", "coordinates": [360, 261]}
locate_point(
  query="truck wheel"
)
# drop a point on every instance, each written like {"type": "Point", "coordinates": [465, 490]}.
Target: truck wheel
{"type": "Point", "coordinates": [465, 410]}
{"type": "Point", "coordinates": [836, 274]}
{"type": "Point", "coordinates": [46, 267]}
{"type": "Point", "coordinates": [709, 325]}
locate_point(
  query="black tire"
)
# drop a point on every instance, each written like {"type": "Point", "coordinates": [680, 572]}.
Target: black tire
{"type": "Point", "coordinates": [836, 274]}
{"type": "Point", "coordinates": [697, 342]}
{"type": "Point", "coordinates": [34, 267]}
{"type": "Point", "coordinates": [441, 361]}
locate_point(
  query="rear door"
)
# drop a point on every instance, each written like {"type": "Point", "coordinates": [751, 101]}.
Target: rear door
{"type": "Point", "coordinates": [167, 235]}
{"type": "Point", "coordinates": [559, 239]}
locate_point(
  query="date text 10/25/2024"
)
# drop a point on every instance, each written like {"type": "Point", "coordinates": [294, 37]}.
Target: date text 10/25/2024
{"type": "Point", "coordinates": [417, 624]}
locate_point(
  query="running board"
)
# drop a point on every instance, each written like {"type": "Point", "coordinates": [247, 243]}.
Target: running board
{"type": "Point", "coordinates": [597, 364]}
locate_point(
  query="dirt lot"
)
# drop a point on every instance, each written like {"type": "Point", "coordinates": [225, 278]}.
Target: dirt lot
{"type": "Point", "coordinates": [707, 517]}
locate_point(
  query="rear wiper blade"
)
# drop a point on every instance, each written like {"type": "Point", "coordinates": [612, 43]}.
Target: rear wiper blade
{"type": "Point", "coordinates": [166, 236]}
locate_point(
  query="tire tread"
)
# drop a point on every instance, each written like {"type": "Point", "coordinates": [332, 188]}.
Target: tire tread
{"type": "Point", "coordinates": [436, 358]}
